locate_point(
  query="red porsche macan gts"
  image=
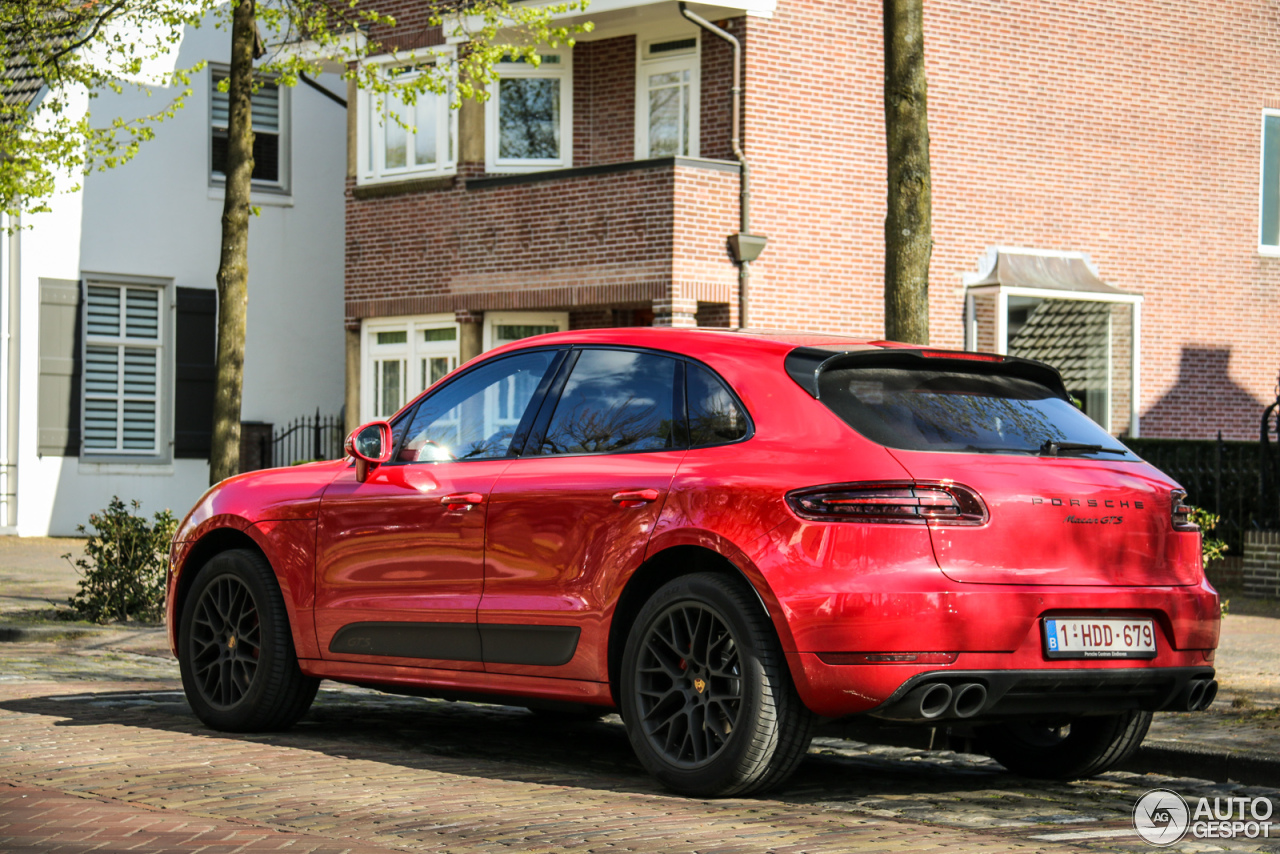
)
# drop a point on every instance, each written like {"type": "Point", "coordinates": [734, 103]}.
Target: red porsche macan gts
{"type": "Point", "coordinates": [724, 536]}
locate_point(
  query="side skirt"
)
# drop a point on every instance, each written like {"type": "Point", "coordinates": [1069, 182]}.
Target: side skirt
{"type": "Point", "coordinates": [460, 684]}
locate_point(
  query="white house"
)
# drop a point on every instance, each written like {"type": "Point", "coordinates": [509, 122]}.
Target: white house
{"type": "Point", "coordinates": [107, 303]}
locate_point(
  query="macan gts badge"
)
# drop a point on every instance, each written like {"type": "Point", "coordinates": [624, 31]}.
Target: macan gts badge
{"type": "Point", "coordinates": [724, 537]}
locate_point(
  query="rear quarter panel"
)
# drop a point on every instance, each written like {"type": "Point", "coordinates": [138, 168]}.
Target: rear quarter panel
{"type": "Point", "coordinates": [731, 498]}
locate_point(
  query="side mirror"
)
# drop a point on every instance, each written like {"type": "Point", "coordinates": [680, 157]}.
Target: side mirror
{"type": "Point", "coordinates": [370, 445]}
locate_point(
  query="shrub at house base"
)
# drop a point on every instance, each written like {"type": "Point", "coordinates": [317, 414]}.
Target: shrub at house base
{"type": "Point", "coordinates": [124, 565]}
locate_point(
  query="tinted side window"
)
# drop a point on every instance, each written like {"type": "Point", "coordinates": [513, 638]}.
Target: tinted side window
{"type": "Point", "coordinates": [476, 416]}
{"type": "Point", "coordinates": [715, 418]}
{"type": "Point", "coordinates": [614, 400]}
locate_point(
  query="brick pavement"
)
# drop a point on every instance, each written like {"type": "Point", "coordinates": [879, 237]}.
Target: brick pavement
{"type": "Point", "coordinates": [131, 765]}
{"type": "Point", "coordinates": [372, 772]}
{"type": "Point", "coordinates": [41, 820]}
{"type": "Point", "coordinates": [95, 733]}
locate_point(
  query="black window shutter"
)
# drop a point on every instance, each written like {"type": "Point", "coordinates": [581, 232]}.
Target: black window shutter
{"type": "Point", "coordinates": [195, 345]}
{"type": "Point", "coordinates": [58, 390]}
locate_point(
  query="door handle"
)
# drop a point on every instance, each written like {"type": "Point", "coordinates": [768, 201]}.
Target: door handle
{"type": "Point", "coordinates": [635, 497]}
{"type": "Point", "coordinates": [462, 500]}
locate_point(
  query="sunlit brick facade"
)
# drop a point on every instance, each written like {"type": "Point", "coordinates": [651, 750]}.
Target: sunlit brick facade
{"type": "Point", "coordinates": [1131, 136]}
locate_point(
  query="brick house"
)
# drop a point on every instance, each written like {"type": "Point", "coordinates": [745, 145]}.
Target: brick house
{"type": "Point", "coordinates": [1106, 195]}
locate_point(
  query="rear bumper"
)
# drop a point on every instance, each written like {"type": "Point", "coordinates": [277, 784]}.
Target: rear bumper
{"type": "Point", "coordinates": [992, 631]}
{"type": "Point", "coordinates": [1045, 693]}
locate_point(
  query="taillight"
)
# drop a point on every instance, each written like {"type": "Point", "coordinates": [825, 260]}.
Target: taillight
{"type": "Point", "coordinates": [906, 502]}
{"type": "Point", "coordinates": [1182, 512]}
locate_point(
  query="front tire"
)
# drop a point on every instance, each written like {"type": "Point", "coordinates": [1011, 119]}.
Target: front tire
{"type": "Point", "coordinates": [1065, 750]}
{"type": "Point", "coordinates": [239, 668]}
{"type": "Point", "coordinates": [707, 699]}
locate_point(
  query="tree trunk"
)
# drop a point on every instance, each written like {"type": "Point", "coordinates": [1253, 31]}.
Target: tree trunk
{"type": "Point", "coordinates": [233, 266]}
{"type": "Point", "coordinates": [908, 224]}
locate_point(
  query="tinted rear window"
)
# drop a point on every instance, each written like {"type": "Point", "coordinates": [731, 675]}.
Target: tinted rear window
{"type": "Point", "coordinates": [938, 410]}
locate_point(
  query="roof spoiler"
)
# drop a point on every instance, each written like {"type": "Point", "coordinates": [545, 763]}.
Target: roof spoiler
{"type": "Point", "coordinates": [806, 364]}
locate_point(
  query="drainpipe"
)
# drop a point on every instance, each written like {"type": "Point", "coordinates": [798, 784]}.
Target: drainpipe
{"type": "Point", "coordinates": [746, 246]}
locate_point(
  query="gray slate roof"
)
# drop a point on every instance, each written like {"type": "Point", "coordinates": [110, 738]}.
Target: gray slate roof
{"type": "Point", "coordinates": [20, 85]}
{"type": "Point", "coordinates": [1072, 336]}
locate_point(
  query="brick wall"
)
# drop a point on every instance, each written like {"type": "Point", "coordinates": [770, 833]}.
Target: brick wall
{"type": "Point", "coordinates": [412, 25]}
{"type": "Point", "coordinates": [1262, 564]}
{"type": "Point", "coordinates": [595, 240]}
{"type": "Point", "coordinates": [1131, 133]}
{"type": "Point", "coordinates": [716, 76]}
{"type": "Point", "coordinates": [604, 101]}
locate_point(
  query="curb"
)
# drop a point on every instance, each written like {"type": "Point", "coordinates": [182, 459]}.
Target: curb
{"type": "Point", "coordinates": [1188, 760]}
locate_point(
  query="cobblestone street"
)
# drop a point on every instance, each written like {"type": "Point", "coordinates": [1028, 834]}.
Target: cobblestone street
{"type": "Point", "coordinates": [100, 752]}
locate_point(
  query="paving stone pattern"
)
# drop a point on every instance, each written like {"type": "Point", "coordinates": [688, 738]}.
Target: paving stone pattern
{"type": "Point", "coordinates": [124, 765]}
{"type": "Point", "coordinates": [100, 752]}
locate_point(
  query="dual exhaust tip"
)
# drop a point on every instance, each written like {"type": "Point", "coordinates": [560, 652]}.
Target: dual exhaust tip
{"type": "Point", "coordinates": [934, 700]}
{"type": "Point", "coordinates": [1197, 696]}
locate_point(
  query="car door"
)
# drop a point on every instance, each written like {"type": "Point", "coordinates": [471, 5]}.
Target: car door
{"type": "Point", "coordinates": [400, 557]}
{"type": "Point", "coordinates": [576, 510]}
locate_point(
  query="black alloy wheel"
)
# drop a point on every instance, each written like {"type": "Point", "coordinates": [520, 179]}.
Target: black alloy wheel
{"type": "Point", "coordinates": [235, 650]}
{"type": "Point", "coordinates": [226, 642]}
{"type": "Point", "coordinates": [689, 684]}
{"type": "Point", "coordinates": [707, 698]}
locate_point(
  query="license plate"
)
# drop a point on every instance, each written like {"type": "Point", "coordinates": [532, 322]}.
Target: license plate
{"type": "Point", "coordinates": [1080, 637]}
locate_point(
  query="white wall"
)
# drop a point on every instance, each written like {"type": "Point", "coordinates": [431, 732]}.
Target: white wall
{"type": "Point", "coordinates": [158, 216]}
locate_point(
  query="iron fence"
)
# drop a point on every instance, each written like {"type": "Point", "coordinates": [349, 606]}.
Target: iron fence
{"type": "Point", "coordinates": [1221, 477]}
{"type": "Point", "coordinates": [311, 437]}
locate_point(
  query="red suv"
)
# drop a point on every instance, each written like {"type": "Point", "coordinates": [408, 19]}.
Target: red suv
{"type": "Point", "coordinates": [724, 537]}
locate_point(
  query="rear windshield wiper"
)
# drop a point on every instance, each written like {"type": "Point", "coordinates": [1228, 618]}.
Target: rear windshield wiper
{"type": "Point", "coordinates": [1050, 448]}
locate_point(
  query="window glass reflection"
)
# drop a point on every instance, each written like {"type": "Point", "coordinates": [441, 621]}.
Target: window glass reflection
{"type": "Point", "coordinates": [614, 401]}
{"type": "Point", "coordinates": [714, 416]}
{"type": "Point", "coordinates": [669, 114]}
{"type": "Point", "coordinates": [929, 410]}
{"type": "Point", "coordinates": [476, 416]}
{"type": "Point", "coordinates": [529, 118]}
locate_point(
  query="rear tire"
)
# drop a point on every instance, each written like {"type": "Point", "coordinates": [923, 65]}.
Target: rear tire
{"type": "Point", "coordinates": [707, 699]}
{"type": "Point", "coordinates": [239, 668]}
{"type": "Point", "coordinates": [1081, 747]}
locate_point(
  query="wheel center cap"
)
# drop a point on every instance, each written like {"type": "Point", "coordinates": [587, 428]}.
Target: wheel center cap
{"type": "Point", "coordinates": [231, 642]}
{"type": "Point", "coordinates": [700, 685]}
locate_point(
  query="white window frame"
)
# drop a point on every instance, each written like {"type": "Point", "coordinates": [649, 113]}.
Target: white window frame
{"type": "Point", "coordinates": [284, 162]}
{"type": "Point", "coordinates": [371, 135]}
{"type": "Point", "coordinates": [414, 354]}
{"type": "Point", "coordinates": [646, 66]}
{"type": "Point", "coordinates": [493, 319]}
{"type": "Point", "coordinates": [162, 344]}
{"type": "Point", "coordinates": [1265, 248]}
{"type": "Point", "coordinates": [562, 71]}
